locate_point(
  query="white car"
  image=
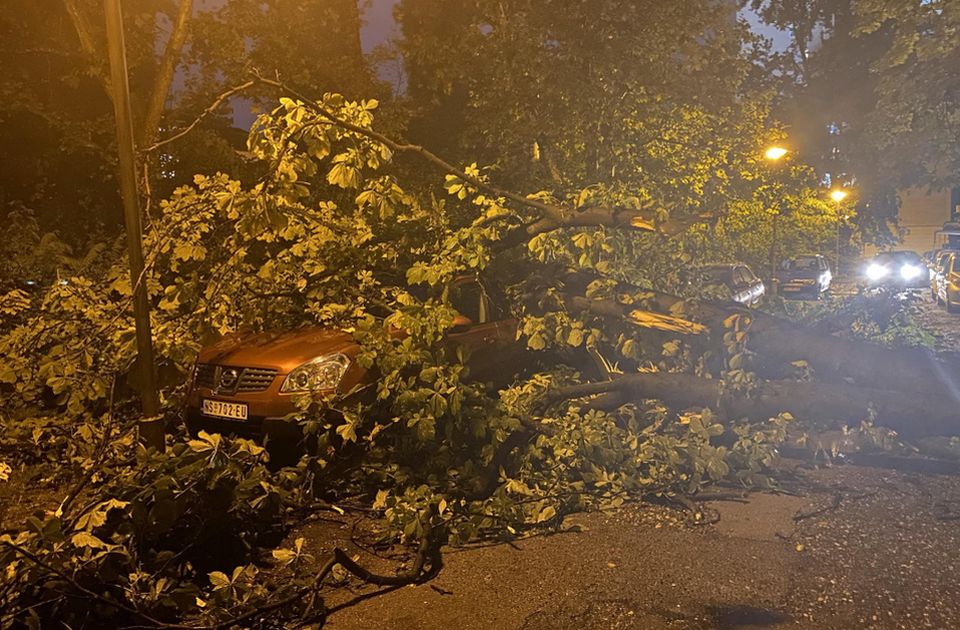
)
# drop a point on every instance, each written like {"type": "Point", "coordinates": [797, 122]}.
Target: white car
{"type": "Point", "coordinates": [743, 285]}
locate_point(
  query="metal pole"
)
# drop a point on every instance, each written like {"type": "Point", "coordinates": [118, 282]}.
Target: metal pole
{"type": "Point", "coordinates": [837, 270]}
{"type": "Point", "coordinates": [773, 247]}
{"type": "Point", "coordinates": [151, 427]}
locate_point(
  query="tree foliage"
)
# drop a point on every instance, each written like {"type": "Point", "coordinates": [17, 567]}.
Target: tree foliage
{"type": "Point", "coordinates": [870, 103]}
{"type": "Point", "coordinates": [56, 117]}
{"type": "Point", "coordinates": [572, 182]}
{"type": "Point", "coordinates": [917, 115]}
{"type": "Point", "coordinates": [329, 235]}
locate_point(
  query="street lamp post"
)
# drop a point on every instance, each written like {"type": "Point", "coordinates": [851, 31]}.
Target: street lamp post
{"type": "Point", "coordinates": [838, 196]}
{"type": "Point", "coordinates": [774, 154]}
{"type": "Point", "coordinates": [151, 426]}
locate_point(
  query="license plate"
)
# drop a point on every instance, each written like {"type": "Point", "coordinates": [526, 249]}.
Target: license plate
{"type": "Point", "coordinates": [221, 409]}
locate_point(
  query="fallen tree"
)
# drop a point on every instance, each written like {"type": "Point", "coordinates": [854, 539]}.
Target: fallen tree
{"type": "Point", "coordinates": [329, 236]}
{"type": "Point", "coordinates": [911, 415]}
{"type": "Point", "coordinates": [777, 343]}
{"type": "Point", "coordinates": [863, 368]}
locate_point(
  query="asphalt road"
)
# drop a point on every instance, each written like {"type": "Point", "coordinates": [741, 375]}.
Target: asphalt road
{"type": "Point", "coordinates": [862, 548]}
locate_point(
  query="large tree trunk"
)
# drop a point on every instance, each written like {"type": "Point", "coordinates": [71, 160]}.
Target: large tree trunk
{"type": "Point", "coordinates": [777, 343]}
{"type": "Point", "coordinates": [912, 416]}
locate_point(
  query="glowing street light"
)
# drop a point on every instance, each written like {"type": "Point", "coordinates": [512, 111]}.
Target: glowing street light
{"type": "Point", "coordinates": [839, 195]}
{"type": "Point", "coordinates": [775, 153]}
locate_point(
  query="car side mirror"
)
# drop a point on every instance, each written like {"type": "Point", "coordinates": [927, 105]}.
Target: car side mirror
{"type": "Point", "coordinates": [461, 323]}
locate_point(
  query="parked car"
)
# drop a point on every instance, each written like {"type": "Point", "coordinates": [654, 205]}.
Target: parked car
{"type": "Point", "coordinates": [737, 280]}
{"type": "Point", "coordinates": [247, 384]}
{"type": "Point", "coordinates": [804, 277]}
{"type": "Point", "coordinates": [936, 272]}
{"type": "Point", "coordinates": [948, 282]}
{"type": "Point", "coordinates": [896, 270]}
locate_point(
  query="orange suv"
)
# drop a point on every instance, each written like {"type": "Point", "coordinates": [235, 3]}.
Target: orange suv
{"type": "Point", "coordinates": [246, 384]}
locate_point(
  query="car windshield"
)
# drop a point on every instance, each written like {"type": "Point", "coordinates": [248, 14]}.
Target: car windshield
{"type": "Point", "coordinates": [898, 258]}
{"type": "Point", "coordinates": [801, 264]}
{"type": "Point", "coordinates": [717, 273]}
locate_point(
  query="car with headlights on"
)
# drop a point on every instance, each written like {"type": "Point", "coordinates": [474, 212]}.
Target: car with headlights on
{"type": "Point", "coordinates": [248, 384]}
{"type": "Point", "coordinates": [804, 277]}
{"type": "Point", "coordinates": [896, 270]}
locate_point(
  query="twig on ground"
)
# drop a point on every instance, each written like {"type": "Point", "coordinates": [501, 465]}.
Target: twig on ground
{"type": "Point", "coordinates": [834, 504]}
{"type": "Point", "coordinates": [401, 579]}
{"type": "Point", "coordinates": [703, 497]}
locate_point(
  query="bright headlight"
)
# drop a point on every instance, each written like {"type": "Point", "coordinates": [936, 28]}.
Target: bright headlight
{"type": "Point", "coordinates": [876, 272]}
{"type": "Point", "coordinates": [909, 272]}
{"type": "Point", "coordinates": [320, 374]}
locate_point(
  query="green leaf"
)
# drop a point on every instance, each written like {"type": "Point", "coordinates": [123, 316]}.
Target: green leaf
{"type": "Point", "coordinates": [219, 580]}
{"type": "Point", "coordinates": [537, 342]}
{"type": "Point", "coordinates": [546, 514]}
{"type": "Point", "coordinates": [347, 431]}
{"type": "Point", "coordinates": [86, 539]}
{"type": "Point", "coordinates": [286, 556]}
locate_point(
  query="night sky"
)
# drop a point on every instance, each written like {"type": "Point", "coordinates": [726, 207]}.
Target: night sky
{"type": "Point", "coordinates": [378, 23]}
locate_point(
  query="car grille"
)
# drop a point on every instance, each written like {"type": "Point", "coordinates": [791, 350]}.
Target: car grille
{"type": "Point", "coordinates": [255, 379]}
{"type": "Point", "coordinates": [251, 379]}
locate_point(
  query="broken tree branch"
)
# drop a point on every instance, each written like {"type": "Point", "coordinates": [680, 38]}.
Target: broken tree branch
{"type": "Point", "coordinates": [82, 589]}
{"type": "Point", "coordinates": [636, 316]}
{"type": "Point", "coordinates": [214, 106]}
{"type": "Point", "coordinates": [552, 216]}
{"type": "Point", "coordinates": [403, 147]}
{"type": "Point", "coordinates": [777, 343]}
{"type": "Point", "coordinates": [834, 504]}
{"type": "Point", "coordinates": [644, 220]}
{"type": "Point", "coordinates": [410, 576]}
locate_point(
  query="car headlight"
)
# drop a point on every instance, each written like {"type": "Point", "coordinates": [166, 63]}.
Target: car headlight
{"type": "Point", "coordinates": [322, 373]}
{"type": "Point", "coordinates": [909, 272]}
{"type": "Point", "coordinates": [876, 272]}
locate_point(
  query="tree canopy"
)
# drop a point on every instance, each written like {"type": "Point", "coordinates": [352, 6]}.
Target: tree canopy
{"type": "Point", "coordinates": [584, 185]}
{"type": "Point", "coordinates": [56, 115]}
{"type": "Point", "coordinates": [870, 100]}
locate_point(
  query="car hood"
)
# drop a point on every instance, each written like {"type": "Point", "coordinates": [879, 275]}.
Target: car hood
{"type": "Point", "coordinates": [282, 350]}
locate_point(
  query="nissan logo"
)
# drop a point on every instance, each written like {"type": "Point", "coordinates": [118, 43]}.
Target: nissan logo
{"type": "Point", "coordinates": [228, 378]}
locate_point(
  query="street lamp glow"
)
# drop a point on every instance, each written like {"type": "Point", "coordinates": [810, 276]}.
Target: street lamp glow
{"type": "Point", "coordinates": [839, 195]}
{"type": "Point", "coordinates": [775, 153]}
